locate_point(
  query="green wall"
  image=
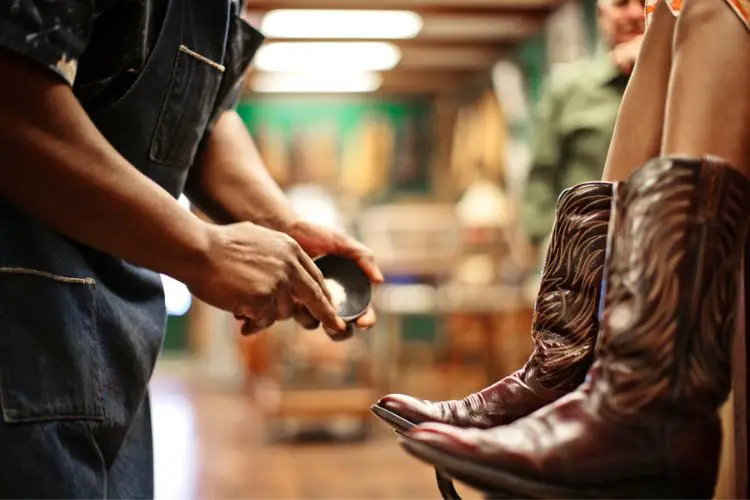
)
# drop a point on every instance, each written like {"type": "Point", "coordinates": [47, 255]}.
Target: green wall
{"type": "Point", "coordinates": [289, 114]}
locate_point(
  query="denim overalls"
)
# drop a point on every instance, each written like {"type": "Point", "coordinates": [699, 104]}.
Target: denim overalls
{"type": "Point", "coordinates": [80, 330]}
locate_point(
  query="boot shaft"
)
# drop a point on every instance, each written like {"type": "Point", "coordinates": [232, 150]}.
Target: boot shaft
{"type": "Point", "coordinates": [565, 322]}
{"type": "Point", "coordinates": [678, 235]}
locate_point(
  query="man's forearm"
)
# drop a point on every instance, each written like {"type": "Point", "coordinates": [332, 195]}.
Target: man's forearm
{"type": "Point", "coordinates": [230, 182]}
{"type": "Point", "coordinates": [56, 166]}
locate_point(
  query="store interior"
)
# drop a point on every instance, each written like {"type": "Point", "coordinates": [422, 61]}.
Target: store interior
{"type": "Point", "coordinates": [407, 124]}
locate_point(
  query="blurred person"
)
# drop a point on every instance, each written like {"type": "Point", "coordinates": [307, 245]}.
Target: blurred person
{"type": "Point", "coordinates": [645, 422]}
{"type": "Point", "coordinates": [575, 121]}
{"type": "Point", "coordinates": [108, 112]}
{"type": "Point", "coordinates": [576, 115]}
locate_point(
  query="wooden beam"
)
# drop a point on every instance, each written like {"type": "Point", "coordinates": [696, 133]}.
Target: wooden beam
{"type": "Point", "coordinates": [450, 57]}
{"type": "Point", "coordinates": [416, 78]}
{"type": "Point", "coordinates": [427, 80]}
{"type": "Point", "coordinates": [403, 81]}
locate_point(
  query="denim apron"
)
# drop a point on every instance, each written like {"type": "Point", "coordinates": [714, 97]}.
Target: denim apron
{"type": "Point", "coordinates": [80, 330]}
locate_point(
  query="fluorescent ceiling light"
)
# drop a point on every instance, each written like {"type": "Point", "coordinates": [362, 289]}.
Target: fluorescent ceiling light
{"type": "Point", "coordinates": [326, 56]}
{"type": "Point", "coordinates": [318, 82]}
{"type": "Point", "coordinates": [385, 24]}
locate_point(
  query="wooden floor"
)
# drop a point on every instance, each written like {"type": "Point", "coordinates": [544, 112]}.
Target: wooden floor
{"type": "Point", "coordinates": [212, 444]}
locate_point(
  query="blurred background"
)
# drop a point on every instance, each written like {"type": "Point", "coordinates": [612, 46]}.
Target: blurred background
{"type": "Point", "coordinates": [413, 129]}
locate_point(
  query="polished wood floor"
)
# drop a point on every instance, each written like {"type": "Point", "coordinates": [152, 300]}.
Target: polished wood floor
{"type": "Point", "coordinates": [213, 444]}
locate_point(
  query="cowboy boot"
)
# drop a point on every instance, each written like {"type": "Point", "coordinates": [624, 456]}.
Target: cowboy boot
{"type": "Point", "coordinates": [564, 326]}
{"type": "Point", "coordinates": [645, 423]}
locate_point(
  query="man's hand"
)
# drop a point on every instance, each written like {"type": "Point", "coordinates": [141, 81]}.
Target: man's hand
{"type": "Point", "coordinates": [231, 184]}
{"type": "Point", "coordinates": [318, 240]}
{"type": "Point", "coordinates": [262, 276]}
{"type": "Point", "coordinates": [625, 54]}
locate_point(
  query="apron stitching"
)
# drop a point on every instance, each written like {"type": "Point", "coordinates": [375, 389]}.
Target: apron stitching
{"type": "Point", "coordinates": [34, 272]}
{"type": "Point", "coordinates": [202, 58]}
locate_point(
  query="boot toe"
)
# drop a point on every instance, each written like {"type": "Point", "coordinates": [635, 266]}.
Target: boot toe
{"type": "Point", "coordinates": [409, 408]}
{"type": "Point", "coordinates": [454, 440]}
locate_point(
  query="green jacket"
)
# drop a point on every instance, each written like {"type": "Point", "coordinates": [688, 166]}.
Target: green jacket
{"type": "Point", "coordinates": [574, 122]}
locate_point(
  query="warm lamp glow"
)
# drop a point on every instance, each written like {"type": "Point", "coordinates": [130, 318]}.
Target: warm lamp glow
{"type": "Point", "coordinates": [327, 56]}
{"type": "Point", "coordinates": [370, 24]}
{"type": "Point", "coordinates": [318, 82]}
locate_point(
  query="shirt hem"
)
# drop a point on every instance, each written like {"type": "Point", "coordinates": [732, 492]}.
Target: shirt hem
{"type": "Point", "coordinates": [52, 57]}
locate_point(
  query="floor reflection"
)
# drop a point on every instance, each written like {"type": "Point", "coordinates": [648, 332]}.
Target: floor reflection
{"type": "Point", "coordinates": [176, 444]}
{"type": "Point", "coordinates": [212, 443]}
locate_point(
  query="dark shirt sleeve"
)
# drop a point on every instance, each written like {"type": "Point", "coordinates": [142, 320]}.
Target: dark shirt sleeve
{"type": "Point", "coordinates": [53, 33]}
{"type": "Point", "coordinates": [244, 42]}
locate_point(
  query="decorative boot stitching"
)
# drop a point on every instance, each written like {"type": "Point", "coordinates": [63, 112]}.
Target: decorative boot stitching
{"type": "Point", "coordinates": [565, 320]}
{"type": "Point", "coordinates": [464, 410]}
{"type": "Point", "coordinates": [566, 317]}
{"type": "Point", "coordinates": [708, 369]}
{"type": "Point", "coordinates": [651, 277]}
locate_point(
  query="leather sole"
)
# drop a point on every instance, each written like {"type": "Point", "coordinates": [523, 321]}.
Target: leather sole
{"type": "Point", "coordinates": [496, 483]}
{"type": "Point", "coordinates": [397, 422]}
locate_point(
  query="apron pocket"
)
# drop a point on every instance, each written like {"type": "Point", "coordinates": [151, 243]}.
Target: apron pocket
{"type": "Point", "coordinates": [186, 109]}
{"type": "Point", "coordinates": [50, 367]}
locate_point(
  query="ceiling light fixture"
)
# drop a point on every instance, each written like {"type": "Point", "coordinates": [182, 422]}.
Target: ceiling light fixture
{"type": "Point", "coordinates": [363, 24]}
{"type": "Point", "coordinates": [327, 56]}
{"type": "Point", "coordinates": [317, 82]}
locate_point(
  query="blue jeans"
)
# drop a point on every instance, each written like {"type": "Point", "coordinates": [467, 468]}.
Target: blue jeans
{"type": "Point", "coordinates": [66, 459]}
{"type": "Point", "coordinates": [75, 363]}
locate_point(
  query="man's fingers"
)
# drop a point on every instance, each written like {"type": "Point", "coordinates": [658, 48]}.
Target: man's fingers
{"type": "Point", "coordinates": [251, 326]}
{"type": "Point", "coordinates": [310, 293]}
{"type": "Point", "coordinates": [367, 320]}
{"type": "Point", "coordinates": [284, 303]}
{"type": "Point", "coordinates": [353, 249]}
{"type": "Point", "coordinates": [303, 317]}
{"type": "Point", "coordinates": [313, 270]}
{"type": "Point", "coordinates": [338, 336]}
{"type": "Point", "coordinates": [371, 269]}
{"type": "Point", "coordinates": [256, 321]}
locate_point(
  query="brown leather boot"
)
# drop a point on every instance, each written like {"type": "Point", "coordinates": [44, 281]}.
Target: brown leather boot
{"type": "Point", "coordinates": [564, 326]}
{"type": "Point", "coordinates": [645, 423]}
